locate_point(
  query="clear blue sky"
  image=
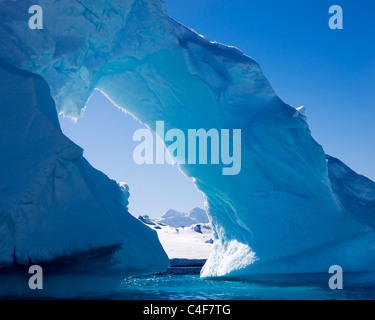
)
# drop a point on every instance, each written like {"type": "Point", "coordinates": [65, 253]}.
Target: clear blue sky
{"type": "Point", "coordinates": [330, 72]}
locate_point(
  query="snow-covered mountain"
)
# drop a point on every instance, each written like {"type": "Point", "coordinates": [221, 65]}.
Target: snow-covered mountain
{"type": "Point", "coordinates": [186, 237]}
{"type": "Point", "coordinates": [178, 219]}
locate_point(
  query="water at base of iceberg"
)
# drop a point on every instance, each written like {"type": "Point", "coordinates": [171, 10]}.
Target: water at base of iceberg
{"type": "Point", "coordinates": [185, 284]}
{"type": "Point", "coordinates": [180, 283]}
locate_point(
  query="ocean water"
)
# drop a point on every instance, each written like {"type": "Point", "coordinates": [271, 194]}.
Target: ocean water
{"type": "Point", "coordinates": [185, 284]}
{"type": "Point", "coordinates": [174, 284]}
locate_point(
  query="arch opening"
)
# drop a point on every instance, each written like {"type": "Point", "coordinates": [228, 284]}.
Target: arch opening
{"type": "Point", "coordinates": [161, 196]}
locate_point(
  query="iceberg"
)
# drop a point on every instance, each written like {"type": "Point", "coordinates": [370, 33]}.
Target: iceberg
{"type": "Point", "coordinates": [56, 210]}
{"type": "Point", "coordinates": [291, 209]}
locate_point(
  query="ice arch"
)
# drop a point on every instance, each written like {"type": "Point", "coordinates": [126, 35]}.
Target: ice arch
{"type": "Point", "coordinates": [290, 210]}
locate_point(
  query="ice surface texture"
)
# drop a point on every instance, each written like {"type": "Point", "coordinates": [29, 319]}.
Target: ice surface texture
{"type": "Point", "coordinates": [55, 209]}
{"type": "Point", "coordinates": [290, 210]}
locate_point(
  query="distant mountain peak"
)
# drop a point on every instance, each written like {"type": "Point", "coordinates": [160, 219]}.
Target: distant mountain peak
{"type": "Point", "coordinates": [198, 214]}
{"type": "Point", "coordinates": [173, 213]}
{"type": "Point", "coordinates": [177, 219]}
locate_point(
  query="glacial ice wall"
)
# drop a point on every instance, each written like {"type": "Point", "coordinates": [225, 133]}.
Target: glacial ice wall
{"type": "Point", "coordinates": [55, 209]}
{"type": "Point", "coordinates": [287, 211]}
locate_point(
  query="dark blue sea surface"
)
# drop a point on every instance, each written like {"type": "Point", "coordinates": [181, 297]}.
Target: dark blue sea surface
{"type": "Point", "coordinates": [186, 284]}
{"type": "Point", "coordinates": [177, 283]}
